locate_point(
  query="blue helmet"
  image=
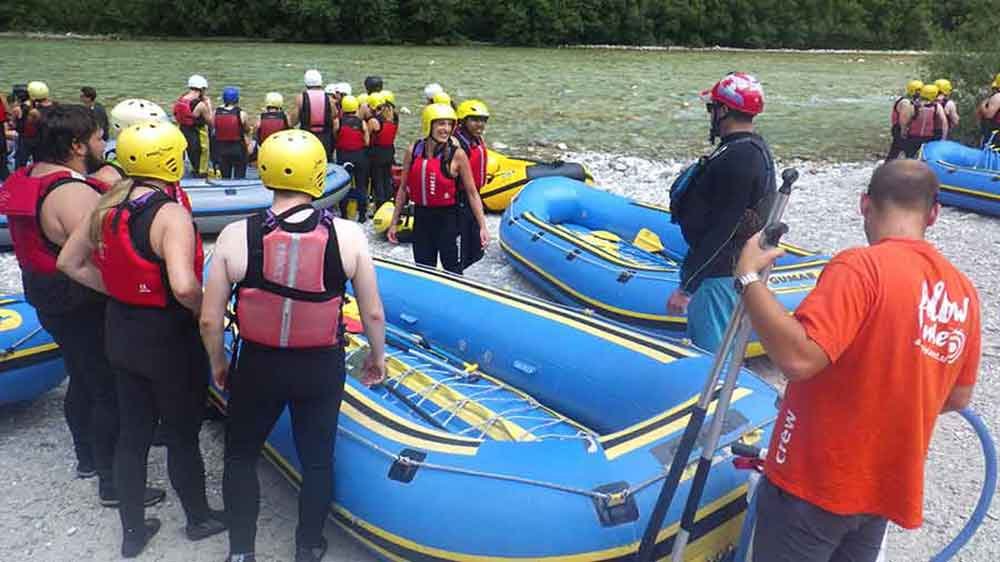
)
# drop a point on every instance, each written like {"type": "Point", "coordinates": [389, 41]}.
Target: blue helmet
{"type": "Point", "coordinates": [230, 94]}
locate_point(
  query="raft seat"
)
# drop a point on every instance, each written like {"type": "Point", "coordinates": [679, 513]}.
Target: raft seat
{"type": "Point", "coordinates": [440, 392]}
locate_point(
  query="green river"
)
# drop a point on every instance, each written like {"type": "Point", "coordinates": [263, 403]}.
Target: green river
{"type": "Point", "coordinates": [642, 103]}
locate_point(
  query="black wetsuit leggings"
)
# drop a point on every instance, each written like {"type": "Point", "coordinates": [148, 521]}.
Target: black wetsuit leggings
{"type": "Point", "coordinates": [897, 146]}
{"type": "Point", "coordinates": [381, 158]}
{"type": "Point", "coordinates": [25, 151]}
{"type": "Point", "coordinates": [91, 404]}
{"type": "Point", "coordinates": [177, 398]}
{"type": "Point", "coordinates": [232, 158]}
{"type": "Point", "coordinates": [311, 383]}
{"type": "Point", "coordinates": [193, 138]}
{"type": "Point", "coordinates": [911, 145]}
{"type": "Point", "coordinates": [436, 233]}
{"type": "Point", "coordinates": [359, 173]}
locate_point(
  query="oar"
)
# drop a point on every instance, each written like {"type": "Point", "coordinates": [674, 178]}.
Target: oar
{"type": "Point", "coordinates": [13, 347]}
{"type": "Point", "coordinates": [732, 350]}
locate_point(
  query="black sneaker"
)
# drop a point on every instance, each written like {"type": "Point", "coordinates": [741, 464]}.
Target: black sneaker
{"type": "Point", "coordinates": [213, 525]}
{"type": "Point", "coordinates": [311, 553]}
{"type": "Point", "coordinates": [109, 497]}
{"type": "Point", "coordinates": [136, 539]}
{"type": "Point", "coordinates": [85, 469]}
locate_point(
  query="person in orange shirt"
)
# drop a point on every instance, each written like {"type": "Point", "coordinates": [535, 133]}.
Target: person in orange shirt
{"type": "Point", "coordinates": [888, 340]}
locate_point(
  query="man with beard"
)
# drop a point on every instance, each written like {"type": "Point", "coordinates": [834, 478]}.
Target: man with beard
{"type": "Point", "coordinates": [44, 203]}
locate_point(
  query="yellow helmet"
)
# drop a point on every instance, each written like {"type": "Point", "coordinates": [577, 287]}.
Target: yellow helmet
{"type": "Point", "coordinates": [362, 99]}
{"type": "Point", "coordinates": [996, 82]}
{"type": "Point", "coordinates": [389, 97]}
{"type": "Point", "coordinates": [293, 160]}
{"type": "Point", "coordinates": [475, 108]}
{"type": "Point", "coordinates": [944, 86]}
{"type": "Point", "coordinates": [442, 97]}
{"type": "Point", "coordinates": [38, 90]}
{"type": "Point", "coordinates": [349, 104]}
{"type": "Point", "coordinates": [913, 87]}
{"type": "Point", "coordinates": [435, 112]}
{"type": "Point", "coordinates": [929, 92]}
{"type": "Point", "coordinates": [152, 149]}
{"type": "Point", "coordinates": [376, 100]}
{"type": "Point", "coordinates": [132, 111]}
{"type": "Point", "coordinates": [274, 99]}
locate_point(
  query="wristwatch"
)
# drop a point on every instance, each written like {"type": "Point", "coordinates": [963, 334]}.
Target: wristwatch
{"type": "Point", "coordinates": [743, 281]}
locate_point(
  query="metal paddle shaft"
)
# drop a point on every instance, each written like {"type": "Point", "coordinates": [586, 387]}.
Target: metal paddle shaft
{"type": "Point", "coordinates": [732, 348]}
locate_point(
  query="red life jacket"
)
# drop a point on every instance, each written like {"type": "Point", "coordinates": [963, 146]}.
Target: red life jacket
{"type": "Point", "coordinates": [996, 116]}
{"type": "Point", "coordinates": [293, 291]}
{"type": "Point", "coordinates": [30, 127]}
{"type": "Point", "coordinates": [184, 112]}
{"type": "Point", "coordinates": [228, 125]}
{"type": "Point", "coordinates": [429, 182]}
{"type": "Point", "coordinates": [21, 198]}
{"type": "Point", "coordinates": [271, 122]}
{"type": "Point", "coordinates": [476, 149]}
{"type": "Point", "coordinates": [386, 135]}
{"type": "Point", "coordinates": [129, 276]}
{"type": "Point", "coordinates": [351, 135]}
{"type": "Point", "coordinates": [925, 123]}
{"type": "Point", "coordinates": [312, 118]}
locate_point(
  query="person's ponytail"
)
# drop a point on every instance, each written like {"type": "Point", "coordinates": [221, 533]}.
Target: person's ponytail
{"type": "Point", "coordinates": [112, 198]}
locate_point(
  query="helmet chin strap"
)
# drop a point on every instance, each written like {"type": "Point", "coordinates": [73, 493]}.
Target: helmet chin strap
{"type": "Point", "coordinates": [715, 129]}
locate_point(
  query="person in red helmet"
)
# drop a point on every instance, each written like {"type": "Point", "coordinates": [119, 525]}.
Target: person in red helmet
{"type": "Point", "coordinates": [721, 201]}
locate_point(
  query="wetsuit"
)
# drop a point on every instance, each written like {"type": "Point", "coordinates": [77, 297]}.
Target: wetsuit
{"type": "Point", "coordinates": [27, 133]}
{"type": "Point", "coordinates": [74, 315]}
{"type": "Point", "coordinates": [436, 212]}
{"type": "Point", "coordinates": [231, 151]}
{"type": "Point", "coordinates": [315, 116]}
{"type": "Point", "coordinates": [298, 364]}
{"type": "Point", "coordinates": [351, 148]}
{"type": "Point", "coordinates": [475, 148]}
{"type": "Point", "coordinates": [728, 202]}
{"type": "Point", "coordinates": [160, 364]}
{"type": "Point", "coordinates": [897, 135]}
{"type": "Point", "coordinates": [383, 154]}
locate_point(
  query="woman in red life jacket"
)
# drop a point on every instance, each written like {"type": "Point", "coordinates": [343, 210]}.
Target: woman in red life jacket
{"type": "Point", "coordinates": [315, 111]}
{"type": "Point", "coordinates": [230, 124]}
{"type": "Point", "coordinates": [193, 112]}
{"type": "Point", "coordinates": [472, 118]}
{"type": "Point", "coordinates": [44, 203]}
{"type": "Point", "coordinates": [353, 138]}
{"type": "Point", "coordinates": [288, 308]}
{"type": "Point", "coordinates": [273, 119]}
{"type": "Point", "coordinates": [28, 121]}
{"type": "Point", "coordinates": [384, 123]}
{"type": "Point", "coordinates": [142, 249]}
{"type": "Point", "coordinates": [988, 113]}
{"type": "Point", "coordinates": [928, 123]}
{"type": "Point", "coordinates": [902, 110]}
{"type": "Point", "coordinates": [435, 172]}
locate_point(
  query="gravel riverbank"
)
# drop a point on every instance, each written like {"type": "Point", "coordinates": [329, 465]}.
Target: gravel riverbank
{"type": "Point", "coordinates": [48, 515]}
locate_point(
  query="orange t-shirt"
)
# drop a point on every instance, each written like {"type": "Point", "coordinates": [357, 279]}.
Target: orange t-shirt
{"type": "Point", "coordinates": [900, 325]}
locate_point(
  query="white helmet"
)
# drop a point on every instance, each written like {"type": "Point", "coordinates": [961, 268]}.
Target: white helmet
{"type": "Point", "coordinates": [197, 81]}
{"type": "Point", "coordinates": [343, 88]}
{"type": "Point", "coordinates": [331, 88]}
{"type": "Point", "coordinates": [432, 90]}
{"type": "Point", "coordinates": [313, 78]}
{"type": "Point", "coordinates": [132, 111]}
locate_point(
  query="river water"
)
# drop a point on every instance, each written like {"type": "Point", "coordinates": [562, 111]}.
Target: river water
{"type": "Point", "coordinates": [641, 103]}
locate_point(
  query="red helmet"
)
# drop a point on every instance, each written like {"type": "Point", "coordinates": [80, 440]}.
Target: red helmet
{"type": "Point", "coordinates": [739, 91]}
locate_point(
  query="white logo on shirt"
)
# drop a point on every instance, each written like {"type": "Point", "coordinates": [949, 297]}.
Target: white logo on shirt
{"type": "Point", "coordinates": [937, 341]}
{"type": "Point", "coordinates": [785, 437]}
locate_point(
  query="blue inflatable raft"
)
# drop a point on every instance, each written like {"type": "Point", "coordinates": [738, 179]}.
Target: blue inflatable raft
{"type": "Point", "coordinates": [218, 202]}
{"type": "Point", "coordinates": [30, 362]}
{"type": "Point", "coordinates": [970, 177]}
{"type": "Point", "coordinates": [511, 428]}
{"type": "Point", "coordinates": [616, 256]}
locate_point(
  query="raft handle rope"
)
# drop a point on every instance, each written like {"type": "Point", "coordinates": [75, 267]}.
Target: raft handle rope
{"type": "Point", "coordinates": [729, 357]}
{"type": "Point", "coordinates": [9, 350]}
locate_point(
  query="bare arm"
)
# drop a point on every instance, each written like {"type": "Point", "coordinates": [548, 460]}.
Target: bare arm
{"type": "Point", "coordinates": [218, 290]}
{"type": "Point", "coordinates": [944, 121]}
{"type": "Point", "coordinates": [991, 106]}
{"type": "Point", "coordinates": [784, 338]}
{"type": "Point", "coordinates": [74, 259]}
{"type": "Point", "coordinates": [905, 116]}
{"type": "Point", "coordinates": [173, 239]}
{"type": "Point", "coordinates": [366, 132]}
{"type": "Point", "coordinates": [366, 289]}
{"type": "Point", "coordinates": [402, 194]}
{"type": "Point", "coordinates": [295, 111]}
{"type": "Point", "coordinates": [67, 208]}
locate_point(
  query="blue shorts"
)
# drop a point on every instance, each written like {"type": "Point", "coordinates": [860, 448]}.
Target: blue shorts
{"type": "Point", "coordinates": [709, 311]}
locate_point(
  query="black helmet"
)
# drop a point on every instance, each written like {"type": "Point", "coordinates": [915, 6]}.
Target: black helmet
{"type": "Point", "coordinates": [20, 92]}
{"type": "Point", "coordinates": [373, 84]}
